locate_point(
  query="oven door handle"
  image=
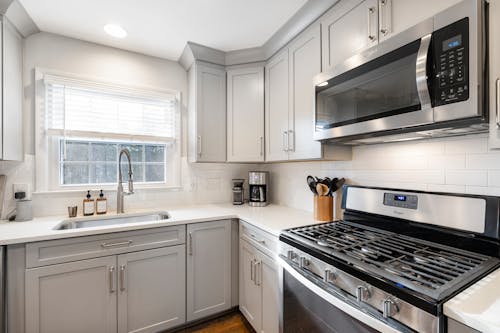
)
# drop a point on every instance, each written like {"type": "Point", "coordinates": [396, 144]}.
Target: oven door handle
{"type": "Point", "coordinates": [421, 76]}
{"type": "Point", "coordinates": [337, 302]}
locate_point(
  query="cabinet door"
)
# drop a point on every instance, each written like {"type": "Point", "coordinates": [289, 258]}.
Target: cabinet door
{"type": "Point", "coordinates": [77, 297]}
{"type": "Point", "coordinates": [12, 94]}
{"type": "Point", "coordinates": [151, 287]}
{"type": "Point", "coordinates": [245, 114]}
{"type": "Point", "coordinates": [269, 281]}
{"type": "Point", "coordinates": [305, 63]}
{"type": "Point", "coordinates": [396, 16]}
{"type": "Point", "coordinates": [494, 75]}
{"type": "Point", "coordinates": [210, 136]}
{"type": "Point", "coordinates": [250, 292]}
{"type": "Point", "coordinates": [277, 107]}
{"type": "Point", "coordinates": [208, 268]}
{"type": "Point", "coordinates": [348, 28]}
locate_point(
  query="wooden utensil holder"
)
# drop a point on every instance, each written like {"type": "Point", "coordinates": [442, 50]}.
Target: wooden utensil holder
{"type": "Point", "coordinates": [323, 208]}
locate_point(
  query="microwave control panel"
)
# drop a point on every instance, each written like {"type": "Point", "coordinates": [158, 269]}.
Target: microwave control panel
{"type": "Point", "coordinates": [450, 49]}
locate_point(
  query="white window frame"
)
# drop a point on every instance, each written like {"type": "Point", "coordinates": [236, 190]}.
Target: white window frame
{"type": "Point", "coordinates": [47, 176]}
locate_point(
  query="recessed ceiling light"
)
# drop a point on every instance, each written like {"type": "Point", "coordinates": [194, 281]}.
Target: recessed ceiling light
{"type": "Point", "coordinates": [323, 84]}
{"type": "Point", "coordinates": [115, 30]}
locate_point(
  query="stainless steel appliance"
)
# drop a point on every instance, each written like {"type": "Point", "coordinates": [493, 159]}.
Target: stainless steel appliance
{"type": "Point", "coordinates": [238, 192]}
{"type": "Point", "coordinates": [427, 81]}
{"type": "Point", "coordinates": [390, 264]}
{"type": "Point", "coordinates": [258, 184]}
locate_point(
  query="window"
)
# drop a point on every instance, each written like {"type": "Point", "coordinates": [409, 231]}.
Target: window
{"type": "Point", "coordinates": [82, 126]}
{"type": "Point", "coordinates": [96, 162]}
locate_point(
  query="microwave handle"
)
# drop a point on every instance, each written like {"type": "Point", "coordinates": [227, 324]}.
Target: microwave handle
{"type": "Point", "coordinates": [421, 72]}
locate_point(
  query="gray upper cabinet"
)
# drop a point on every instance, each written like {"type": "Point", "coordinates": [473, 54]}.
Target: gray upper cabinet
{"type": "Point", "coordinates": [207, 113]}
{"type": "Point", "coordinates": [276, 110]}
{"type": "Point", "coordinates": [396, 16]}
{"type": "Point", "coordinates": [304, 63]}
{"type": "Point", "coordinates": [348, 28]}
{"type": "Point", "coordinates": [208, 268]}
{"type": "Point", "coordinates": [245, 114]}
{"type": "Point", "coordinates": [150, 287]}
{"type": "Point", "coordinates": [11, 129]}
{"type": "Point", "coordinates": [290, 94]}
{"type": "Point", "coordinates": [77, 297]}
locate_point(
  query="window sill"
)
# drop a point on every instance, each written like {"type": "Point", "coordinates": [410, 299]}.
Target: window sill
{"type": "Point", "coordinates": [108, 189]}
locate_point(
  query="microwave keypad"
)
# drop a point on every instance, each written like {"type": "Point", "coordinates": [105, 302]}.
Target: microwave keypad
{"type": "Point", "coordinates": [450, 46]}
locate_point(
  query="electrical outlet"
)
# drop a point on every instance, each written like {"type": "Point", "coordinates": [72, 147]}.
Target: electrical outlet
{"type": "Point", "coordinates": [21, 188]}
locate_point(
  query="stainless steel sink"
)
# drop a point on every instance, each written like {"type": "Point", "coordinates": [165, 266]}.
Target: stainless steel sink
{"type": "Point", "coordinates": [78, 223]}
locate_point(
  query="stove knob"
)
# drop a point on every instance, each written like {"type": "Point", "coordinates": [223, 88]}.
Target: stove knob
{"type": "Point", "coordinates": [303, 262]}
{"type": "Point", "coordinates": [291, 255]}
{"type": "Point", "coordinates": [329, 276]}
{"type": "Point", "coordinates": [390, 308]}
{"type": "Point", "coordinates": [362, 293]}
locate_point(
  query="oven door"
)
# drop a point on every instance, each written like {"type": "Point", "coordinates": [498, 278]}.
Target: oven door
{"type": "Point", "coordinates": [383, 88]}
{"type": "Point", "coordinates": [308, 307]}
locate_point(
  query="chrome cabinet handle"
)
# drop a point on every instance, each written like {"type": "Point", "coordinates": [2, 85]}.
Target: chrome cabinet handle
{"type": "Point", "coordinates": [261, 146]}
{"type": "Point", "coordinates": [385, 10]}
{"type": "Point", "coordinates": [389, 308]}
{"type": "Point", "coordinates": [371, 10]}
{"type": "Point", "coordinates": [251, 271]}
{"type": "Point", "coordinates": [421, 72]}
{"type": "Point", "coordinates": [198, 145]}
{"type": "Point", "coordinates": [285, 141]}
{"type": "Point", "coordinates": [122, 277]}
{"type": "Point", "coordinates": [258, 273]}
{"type": "Point", "coordinates": [497, 106]}
{"type": "Point", "coordinates": [111, 276]}
{"type": "Point", "coordinates": [292, 144]}
{"type": "Point", "coordinates": [190, 245]}
{"type": "Point", "coordinates": [257, 240]}
{"type": "Point", "coordinates": [108, 245]}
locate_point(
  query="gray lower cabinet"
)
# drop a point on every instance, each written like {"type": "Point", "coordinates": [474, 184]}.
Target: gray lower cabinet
{"type": "Point", "coordinates": [133, 292]}
{"type": "Point", "coordinates": [78, 297]}
{"type": "Point", "coordinates": [208, 268]}
{"type": "Point", "coordinates": [151, 288]}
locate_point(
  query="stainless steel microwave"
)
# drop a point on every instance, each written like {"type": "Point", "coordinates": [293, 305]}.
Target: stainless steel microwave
{"type": "Point", "coordinates": [427, 81]}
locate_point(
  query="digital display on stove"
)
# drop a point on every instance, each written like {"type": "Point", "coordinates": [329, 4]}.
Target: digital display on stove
{"type": "Point", "coordinates": [452, 43]}
{"type": "Point", "coordinates": [400, 197]}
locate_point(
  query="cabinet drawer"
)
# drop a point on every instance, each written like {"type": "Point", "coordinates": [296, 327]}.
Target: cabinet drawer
{"type": "Point", "coordinates": [78, 248]}
{"type": "Point", "coordinates": [264, 241]}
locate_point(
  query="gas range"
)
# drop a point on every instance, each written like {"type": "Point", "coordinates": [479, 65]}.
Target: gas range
{"type": "Point", "coordinates": [397, 271]}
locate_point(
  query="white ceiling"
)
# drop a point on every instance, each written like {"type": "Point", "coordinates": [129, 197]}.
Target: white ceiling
{"type": "Point", "coordinates": [162, 27]}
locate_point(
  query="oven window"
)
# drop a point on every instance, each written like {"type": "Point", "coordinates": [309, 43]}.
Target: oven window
{"type": "Point", "coordinates": [383, 87]}
{"type": "Point", "coordinates": [306, 312]}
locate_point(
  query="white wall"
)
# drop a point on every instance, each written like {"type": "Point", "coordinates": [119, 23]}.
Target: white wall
{"type": "Point", "coordinates": [202, 183]}
{"type": "Point", "coordinates": [462, 165]}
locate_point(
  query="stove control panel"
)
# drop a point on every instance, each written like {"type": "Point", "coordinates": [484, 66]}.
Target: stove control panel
{"type": "Point", "coordinates": [401, 200]}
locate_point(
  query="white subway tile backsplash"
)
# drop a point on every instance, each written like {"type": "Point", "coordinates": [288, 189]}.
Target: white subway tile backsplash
{"type": "Point", "coordinates": [483, 190]}
{"type": "Point", "coordinates": [448, 162]}
{"type": "Point", "coordinates": [483, 161]}
{"type": "Point", "coordinates": [446, 188]}
{"type": "Point", "coordinates": [478, 144]}
{"type": "Point", "coordinates": [494, 178]}
{"type": "Point", "coordinates": [467, 177]}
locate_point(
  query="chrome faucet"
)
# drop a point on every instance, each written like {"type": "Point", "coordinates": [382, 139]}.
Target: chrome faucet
{"type": "Point", "coordinates": [119, 192]}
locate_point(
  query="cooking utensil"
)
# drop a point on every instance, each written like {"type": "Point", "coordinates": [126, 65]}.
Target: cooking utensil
{"type": "Point", "coordinates": [332, 184]}
{"type": "Point", "coordinates": [311, 182]}
{"type": "Point", "coordinates": [338, 185]}
{"type": "Point", "coordinates": [321, 189]}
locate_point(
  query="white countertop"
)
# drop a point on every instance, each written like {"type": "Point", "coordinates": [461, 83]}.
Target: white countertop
{"type": "Point", "coordinates": [479, 305]}
{"type": "Point", "coordinates": [272, 218]}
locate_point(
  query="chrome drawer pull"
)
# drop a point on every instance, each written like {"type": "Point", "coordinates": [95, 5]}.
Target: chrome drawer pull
{"type": "Point", "coordinates": [111, 273]}
{"type": "Point", "coordinates": [108, 245]}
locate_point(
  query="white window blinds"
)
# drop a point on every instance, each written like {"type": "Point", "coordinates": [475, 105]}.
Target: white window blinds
{"type": "Point", "coordinates": [89, 110]}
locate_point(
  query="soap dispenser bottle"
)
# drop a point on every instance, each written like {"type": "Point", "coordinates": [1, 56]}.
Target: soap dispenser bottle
{"type": "Point", "coordinates": [101, 204]}
{"type": "Point", "coordinates": [88, 205]}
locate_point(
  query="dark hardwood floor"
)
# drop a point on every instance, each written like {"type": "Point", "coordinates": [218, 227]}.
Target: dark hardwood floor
{"type": "Point", "coordinates": [231, 323]}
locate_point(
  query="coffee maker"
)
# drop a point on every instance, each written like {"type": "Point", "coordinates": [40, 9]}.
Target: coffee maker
{"type": "Point", "coordinates": [258, 188]}
{"type": "Point", "coordinates": [238, 194]}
